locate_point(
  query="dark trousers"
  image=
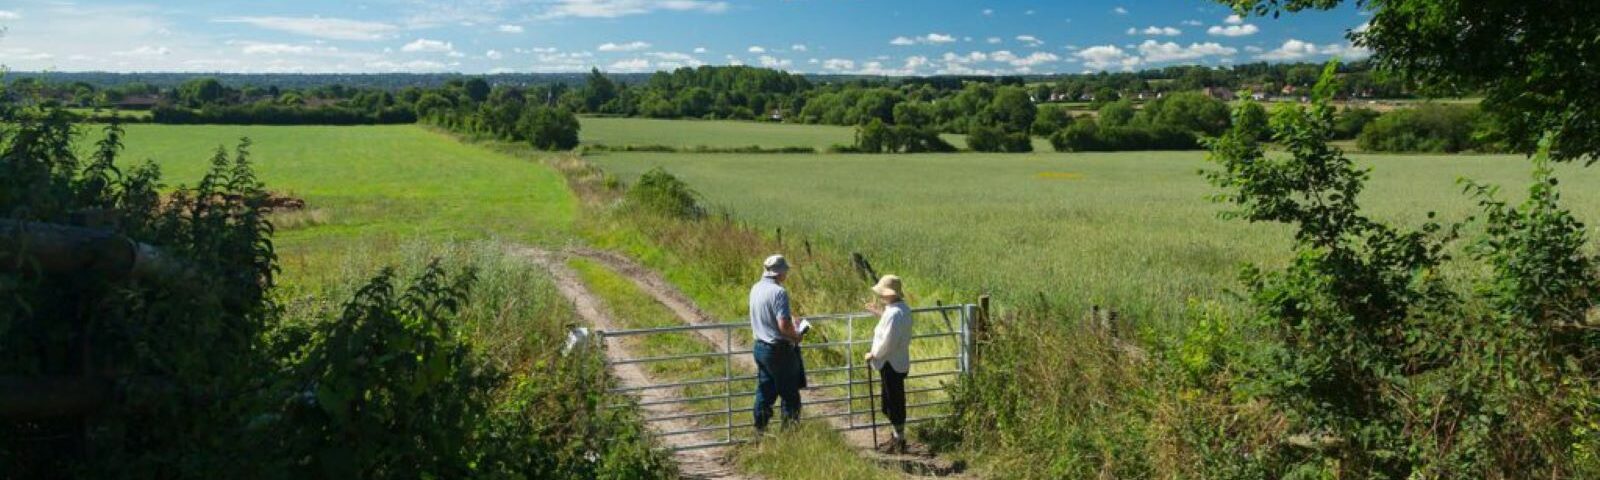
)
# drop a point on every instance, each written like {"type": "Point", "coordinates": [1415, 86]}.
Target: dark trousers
{"type": "Point", "coordinates": [893, 392]}
{"type": "Point", "coordinates": [779, 375]}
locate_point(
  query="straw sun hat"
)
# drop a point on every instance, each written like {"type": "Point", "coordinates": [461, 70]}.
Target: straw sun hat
{"type": "Point", "coordinates": [889, 285]}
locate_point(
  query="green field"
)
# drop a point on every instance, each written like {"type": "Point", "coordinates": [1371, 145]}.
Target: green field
{"type": "Point", "coordinates": [370, 189]}
{"type": "Point", "coordinates": [711, 133]}
{"type": "Point", "coordinates": [1133, 230]}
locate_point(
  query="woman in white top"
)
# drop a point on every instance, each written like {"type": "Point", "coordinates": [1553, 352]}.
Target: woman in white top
{"type": "Point", "coordinates": [891, 353]}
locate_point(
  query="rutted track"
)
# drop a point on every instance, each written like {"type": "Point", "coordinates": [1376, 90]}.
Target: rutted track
{"type": "Point", "coordinates": [694, 464]}
{"type": "Point", "coordinates": [651, 282]}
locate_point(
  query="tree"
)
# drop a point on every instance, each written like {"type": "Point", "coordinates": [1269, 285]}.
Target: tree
{"type": "Point", "coordinates": [201, 91]}
{"type": "Point", "coordinates": [1116, 114]}
{"type": "Point", "coordinates": [1012, 110]}
{"type": "Point", "coordinates": [476, 88]}
{"type": "Point", "coordinates": [431, 103]}
{"type": "Point", "coordinates": [1535, 61]}
{"type": "Point", "coordinates": [1188, 111]}
{"type": "Point", "coordinates": [597, 91]}
{"type": "Point", "coordinates": [550, 128]}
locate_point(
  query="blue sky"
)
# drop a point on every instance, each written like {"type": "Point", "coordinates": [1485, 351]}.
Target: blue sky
{"type": "Point", "coordinates": [921, 37]}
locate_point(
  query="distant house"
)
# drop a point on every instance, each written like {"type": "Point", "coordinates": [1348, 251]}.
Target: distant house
{"type": "Point", "coordinates": [138, 102]}
{"type": "Point", "coordinates": [1220, 93]}
{"type": "Point", "coordinates": [1258, 96]}
{"type": "Point", "coordinates": [776, 115]}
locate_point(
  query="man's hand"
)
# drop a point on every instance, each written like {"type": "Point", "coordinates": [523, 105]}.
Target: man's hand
{"type": "Point", "coordinates": [875, 308]}
{"type": "Point", "coordinates": [868, 356]}
{"type": "Point", "coordinates": [786, 327]}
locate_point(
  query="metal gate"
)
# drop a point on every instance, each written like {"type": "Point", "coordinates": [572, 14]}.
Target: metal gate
{"type": "Point", "coordinates": [711, 392]}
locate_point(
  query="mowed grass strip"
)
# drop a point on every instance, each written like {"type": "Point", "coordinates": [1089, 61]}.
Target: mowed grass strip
{"type": "Point", "coordinates": [1133, 230]}
{"type": "Point", "coordinates": [369, 189]}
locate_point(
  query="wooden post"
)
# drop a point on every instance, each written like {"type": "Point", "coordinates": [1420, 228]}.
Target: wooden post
{"type": "Point", "coordinates": [780, 236]}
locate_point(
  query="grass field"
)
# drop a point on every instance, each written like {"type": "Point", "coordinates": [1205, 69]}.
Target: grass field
{"type": "Point", "coordinates": [711, 133]}
{"type": "Point", "coordinates": [370, 189]}
{"type": "Point", "coordinates": [1132, 230]}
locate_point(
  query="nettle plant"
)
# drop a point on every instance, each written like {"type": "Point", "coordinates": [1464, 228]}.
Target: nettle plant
{"type": "Point", "coordinates": [1383, 366]}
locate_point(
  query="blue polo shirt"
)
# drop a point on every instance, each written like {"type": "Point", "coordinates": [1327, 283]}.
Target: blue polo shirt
{"type": "Point", "coordinates": [769, 301]}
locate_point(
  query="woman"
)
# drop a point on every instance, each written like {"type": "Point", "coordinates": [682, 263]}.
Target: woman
{"type": "Point", "coordinates": [891, 353]}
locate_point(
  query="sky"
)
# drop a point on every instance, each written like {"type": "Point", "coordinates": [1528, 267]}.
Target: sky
{"type": "Point", "coordinates": [881, 37]}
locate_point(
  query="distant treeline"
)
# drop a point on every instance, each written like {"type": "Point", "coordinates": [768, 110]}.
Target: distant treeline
{"type": "Point", "coordinates": [1169, 108]}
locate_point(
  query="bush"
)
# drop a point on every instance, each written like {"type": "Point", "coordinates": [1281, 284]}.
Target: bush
{"type": "Point", "coordinates": [1191, 112]}
{"type": "Point", "coordinates": [1090, 137]}
{"type": "Point", "coordinates": [875, 137]}
{"type": "Point", "coordinates": [550, 128]}
{"type": "Point", "coordinates": [1349, 123]}
{"type": "Point", "coordinates": [661, 193]}
{"type": "Point", "coordinates": [1427, 128]}
{"type": "Point", "coordinates": [984, 139]}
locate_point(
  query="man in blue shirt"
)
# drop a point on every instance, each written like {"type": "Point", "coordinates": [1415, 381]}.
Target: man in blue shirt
{"type": "Point", "coordinates": [777, 345]}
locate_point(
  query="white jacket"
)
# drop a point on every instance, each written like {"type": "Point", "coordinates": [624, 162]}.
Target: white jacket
{"type": "Point", "coordinates": [891, 340]}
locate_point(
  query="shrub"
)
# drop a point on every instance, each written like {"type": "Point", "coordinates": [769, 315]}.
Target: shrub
{"type": "Point", "coordinates": [1427, 128]}
{"type": "Point", "coordinates": [1349, 122]}
{"type": "Point", "coordinates": [1191, 112]}
{"type": "Point", "coordinates": [1090, 137]}
{"type": "Point", "coordinates": [550, 128]}
{"type": "Point", "coordinates": [985, 139]}
{"type": "Point", "coordinates": [661, 193]}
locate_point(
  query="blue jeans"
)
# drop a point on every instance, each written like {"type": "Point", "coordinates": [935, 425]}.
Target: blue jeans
{"type": "Point", "coordinates": [778, 374]}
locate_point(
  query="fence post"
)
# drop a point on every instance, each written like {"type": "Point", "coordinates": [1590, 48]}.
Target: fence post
{"type": "Point", "coordinates": [980, 328]}
{"type": "Point", "coordinates": [727, 380]}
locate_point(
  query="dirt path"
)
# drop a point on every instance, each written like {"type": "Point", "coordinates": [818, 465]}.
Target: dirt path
{"type": "Point", "coordinates": [915, 463]}
{"type": "Point", "coordinates": [705, 464]}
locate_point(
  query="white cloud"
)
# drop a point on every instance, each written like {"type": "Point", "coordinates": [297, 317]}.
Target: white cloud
{"type": "Point", "coordinates": [622, 47]}
{"type": "Point", "coordinates": [1029, 12]}
{"type": "Point", "coordinates": [329, 28]}
{"type": "Point", "coordinates": [1154, 30]}
{"type": "Point", "coordinates": [423, 45]}
{"type": "Point", "coordinates": [1119, 11]}
{"type": "Point", "coordinates": [670, 60]}
{"type": "Point", "coordinates": [839, 64]}
{"type": "Point", "coordinates": [275, 49]}
{"type": "Point", "coordinates": [10, 15]}
{"type": "Point", "coordinates": [988, 12]}
{"type": "Point", "coordinates": [769, 61]}
{"type": "Point", "coordinates": [1293, 49]}
{"type": "Point", "coordinates": [756, 49]}
{"type": "Point", "coordinates": [993, 40]}
{"type": "Point", "coordinates": [24, 54]}
{"type": "Point", "coordinates": [1233, 20]}
{"type": "Point", "coordinates": [929, 39]}
{"type": "Point", "coordinates": [798, 47]}
{"type": "Point", "coordinates": [493, 55]}
{"type": "Point", "coordinates": [1032, 60]}
{"type": "Point", "coordinates": [412, 66]}
{"type": "Point", "coordinates": [1031, 40]}
{"type": "Point", "coordinates": [620, 8]}
{"type": "Point", "coordinates": [1102, 57]}
{"type": "Point", "coordinates": [1155, 52]}
{"type": "Point", "coordinates": [144, 51]}
{"type": "Point", "coordinates": [1192, 23]}
{"type": "Point", "coordinates": [1233, 30]}
{"type": "Point", "coordinates": [699, 49]}
{"type": "Point", "coordinates": [630, 65]}
{"type": "Point", "coordinates": [510, 28]}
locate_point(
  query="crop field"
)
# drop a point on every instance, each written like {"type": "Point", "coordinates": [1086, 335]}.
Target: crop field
{"type": "Point", "coordinates": [1133, 230]}
{"type": "Point", "coordinates": [369, 190]}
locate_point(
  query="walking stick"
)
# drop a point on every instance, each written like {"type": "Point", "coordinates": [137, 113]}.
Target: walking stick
{"type": "Point", "coordinates": [872, 405]}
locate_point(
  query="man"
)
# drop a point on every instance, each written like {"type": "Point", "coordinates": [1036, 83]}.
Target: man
{"type": "Point", "coordinates": [777, 347]}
